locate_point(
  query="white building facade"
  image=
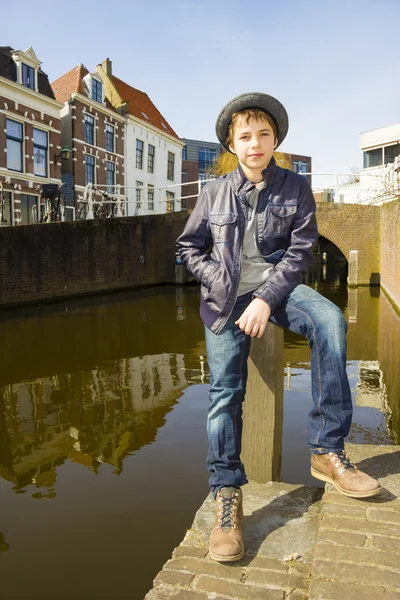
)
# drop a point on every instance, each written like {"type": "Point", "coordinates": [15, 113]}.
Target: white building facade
{"type": "Point", "coordinates": [153, 169]}
{"type": "Point", "coordinates": [153, 151]}
{"type": "Point", "coordinates": [379, 179]}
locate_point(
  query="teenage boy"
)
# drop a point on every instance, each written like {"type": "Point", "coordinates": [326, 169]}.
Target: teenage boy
{"type": "Point", "coordinates": [249, 241]}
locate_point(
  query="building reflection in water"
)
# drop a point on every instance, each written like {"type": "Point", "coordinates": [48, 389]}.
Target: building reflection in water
{"type": "Point", "coordinates": [84, 401]}
{"type": "Point", "coordinates": [106, 409]}
{"type": "Point", "coordinates": [90, 417]}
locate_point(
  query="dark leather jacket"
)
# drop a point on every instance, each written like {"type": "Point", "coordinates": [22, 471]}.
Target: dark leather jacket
{"type": "Point", "coordinates": [211, 243]}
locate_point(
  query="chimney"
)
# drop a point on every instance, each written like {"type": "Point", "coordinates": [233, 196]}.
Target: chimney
{"type": "Point", "coordinates": [107, 67]}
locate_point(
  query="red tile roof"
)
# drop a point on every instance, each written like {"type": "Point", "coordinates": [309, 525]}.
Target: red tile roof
{"type": "Point", "coordinates": [141, 106]}
{"type": "Point", "coordinates": [69, 83]}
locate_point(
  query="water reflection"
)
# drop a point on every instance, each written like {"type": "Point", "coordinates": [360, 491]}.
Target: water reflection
{"type": "Point", "coordinates": [89, 417]}
{"type": "Point", "coordinates": [106, 410]}
{"type": "Point", "coordinates": [102, 410]}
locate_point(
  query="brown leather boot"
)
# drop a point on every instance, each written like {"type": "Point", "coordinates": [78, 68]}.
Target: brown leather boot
{"type": "Point", "coordinates": [336, 468]}
{"type": "Point", "coordinates": [226, 539]}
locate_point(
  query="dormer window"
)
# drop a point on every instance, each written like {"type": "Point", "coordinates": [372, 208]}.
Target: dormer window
{"type": "Point", "coordinates": [28, 76]}
{"type": "Point", "coordinates": [97, 90]}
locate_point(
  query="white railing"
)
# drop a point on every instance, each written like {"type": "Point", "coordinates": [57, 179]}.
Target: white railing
{"type": "Point", "coordinates": [97, 201]}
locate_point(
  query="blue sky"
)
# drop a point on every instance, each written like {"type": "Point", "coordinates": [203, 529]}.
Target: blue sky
{"type": "Point", "coordinates": [334, 65]}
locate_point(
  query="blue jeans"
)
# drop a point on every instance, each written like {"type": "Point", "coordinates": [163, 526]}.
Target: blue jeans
{"type": "Point", "coordinates": [306, 312]}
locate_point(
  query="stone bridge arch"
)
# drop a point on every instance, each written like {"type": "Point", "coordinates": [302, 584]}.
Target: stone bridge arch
{"type": "Point", "coordinates": [353, 227]}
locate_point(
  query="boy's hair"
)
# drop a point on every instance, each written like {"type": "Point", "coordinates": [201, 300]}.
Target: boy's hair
{"type": "Point", "coordinates": [247, 114]}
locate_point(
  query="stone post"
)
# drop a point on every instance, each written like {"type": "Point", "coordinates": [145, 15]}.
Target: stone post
{"type": "Point", "coordinates": [263, 408]}
{"type": "Point", "coordinates": [352, 279]}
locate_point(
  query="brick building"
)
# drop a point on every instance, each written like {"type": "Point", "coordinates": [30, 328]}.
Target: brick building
{"type": "Point", "coordinates": [153, 149]}
{"type": "Point", "coordinates": [199, 156]}
{"type": "Point", "coordinates": [30, 145]}
{"type": "Point", "coordinates": [94, 131]}
{"type": "Point", "coordinates": [300, 164]}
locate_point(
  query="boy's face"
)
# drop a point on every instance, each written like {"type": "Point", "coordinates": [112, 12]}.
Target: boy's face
{"type": "Point", "coordinates": [254, 144]}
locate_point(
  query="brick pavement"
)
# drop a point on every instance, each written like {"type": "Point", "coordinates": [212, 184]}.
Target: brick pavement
{"type": "Point", "coordinates": [299, 546]}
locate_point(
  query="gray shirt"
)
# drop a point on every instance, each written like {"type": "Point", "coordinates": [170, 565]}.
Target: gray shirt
{"type": "Point", "coordinates": [255, 269]}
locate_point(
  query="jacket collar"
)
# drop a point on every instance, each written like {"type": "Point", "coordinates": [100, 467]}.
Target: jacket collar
{"type": "Point", "coordinates": [241, 185]}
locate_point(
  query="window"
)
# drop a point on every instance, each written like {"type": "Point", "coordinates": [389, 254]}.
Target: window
{"type": "Point", "coordinates": [6, 210]}
{"type": "Point", "coordinates": [150, 197]}
{"type": "Point", "coordinates": [89, 130]}
{"type": "Point", "coordinates": [373, 158]}
{"type": "Point", "coordinates": [139, 154]}
{"type": "Point", "coordinates": [14, 133]}
{"type": "Point", "coordinates": [300, 167]}
{"type": "Point", "coordinates": [207, 157]}
{"type": "Point", "coordinates": [391, 153]}
{"type": "Point", "coordinates": [110, 138]}
{"type": "Point", "coordinates": [150, 158]}
{"type": "Point", "coordinates": [184, 153]}
{"type": "Point", "coordinates": [204, 177]}
{"type": "Point", "coordinates": [171, 164]}
{"type": "Point", "coordinates": [29, 209]}
{"type": "Point", "coordinates": [110, 177]}
{"type": "Point", "coordinates": [184, 177]}
{"type": "Point", "coordinates": [139, 192]}
{"type": "Point", "coordinates": [170, 202]}
{"type": "Point", "coordinates": [40, 152]}
{"type": "Point", "coordinates": [28, 77]}
{"type": "Point", "coordinates": [89, 169]}
{"type": "Point", "coordinates": [97, 90]}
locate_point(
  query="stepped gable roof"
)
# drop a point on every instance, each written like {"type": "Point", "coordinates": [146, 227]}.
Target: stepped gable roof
{"type": "Point", "coordinates": [69, 83]}
{"type": "Point", "coordinates": [9, 71]}
{"type": "Point", "coordinates": [142, 107]}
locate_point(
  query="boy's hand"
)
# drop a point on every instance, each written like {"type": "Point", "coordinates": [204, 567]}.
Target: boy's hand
{"type": "Point", "coordinates": [254, 319]}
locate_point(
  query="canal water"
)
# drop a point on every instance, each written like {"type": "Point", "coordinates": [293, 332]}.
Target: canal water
{"type": "Point", "coordinates": [102, 431]}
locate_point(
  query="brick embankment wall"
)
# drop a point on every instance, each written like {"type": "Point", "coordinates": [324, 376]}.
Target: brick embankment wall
{"type": "Point", "coordinates": [354, 227]}
{"type": "Point", "coordinates": [58, 260]}
{"type": "Point", "coordinates": [390, 250]}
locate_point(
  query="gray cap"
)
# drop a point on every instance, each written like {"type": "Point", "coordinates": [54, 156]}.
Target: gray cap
{"type": "Point", "coordinates": [264, 102]}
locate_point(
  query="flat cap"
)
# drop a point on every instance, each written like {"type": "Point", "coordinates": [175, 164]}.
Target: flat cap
{"type": "Point", "coordinates": [264, 102]}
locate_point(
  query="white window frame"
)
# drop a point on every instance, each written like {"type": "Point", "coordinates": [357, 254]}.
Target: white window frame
{"type": "Point", "coordinates": [139, 194]}
{"type": "Point", "coordinates": [23, 145]}
{"type": "Point", "coordinates": [88, 114]}
{"type": "Point", "coordinates": [48, 152]}
{"type": "Point", "coordinates": [95, 169]}
{"type": "Point", "coordinates": [12, 209]}
{"type": "Point", "coordinates": [102, 89]}
{"type": "Point", "coordinates": [114, 137]}
{"type": "Point", "coordinates": [113, 186]}
{"type": "Point", "coordinates": [38, 205]}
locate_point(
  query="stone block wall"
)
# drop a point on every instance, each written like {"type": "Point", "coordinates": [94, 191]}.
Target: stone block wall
{"type": "Point", "coordinates": [56, 260]}
{"type": "Point", "coordinates": [390, 250]}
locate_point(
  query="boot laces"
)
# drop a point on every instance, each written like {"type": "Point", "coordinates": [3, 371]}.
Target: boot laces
{"type": "Point", "coordinates": [227, 510]}
{"type": "Point", "coordinates": [342, 461]}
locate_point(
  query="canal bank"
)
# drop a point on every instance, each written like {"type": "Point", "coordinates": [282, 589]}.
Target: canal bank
{"type": "Point", "coordinates": [301, 543]}
{"type": "Point", "coordinates": [53, 261]}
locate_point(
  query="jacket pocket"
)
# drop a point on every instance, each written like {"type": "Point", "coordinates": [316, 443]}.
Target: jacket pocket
{"type": "Point", "coordinates": [280, 218]}
{"type": "Point", "coordinates": [223, 227]}
{"type": "Point", "coordinates": [208, 274]}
